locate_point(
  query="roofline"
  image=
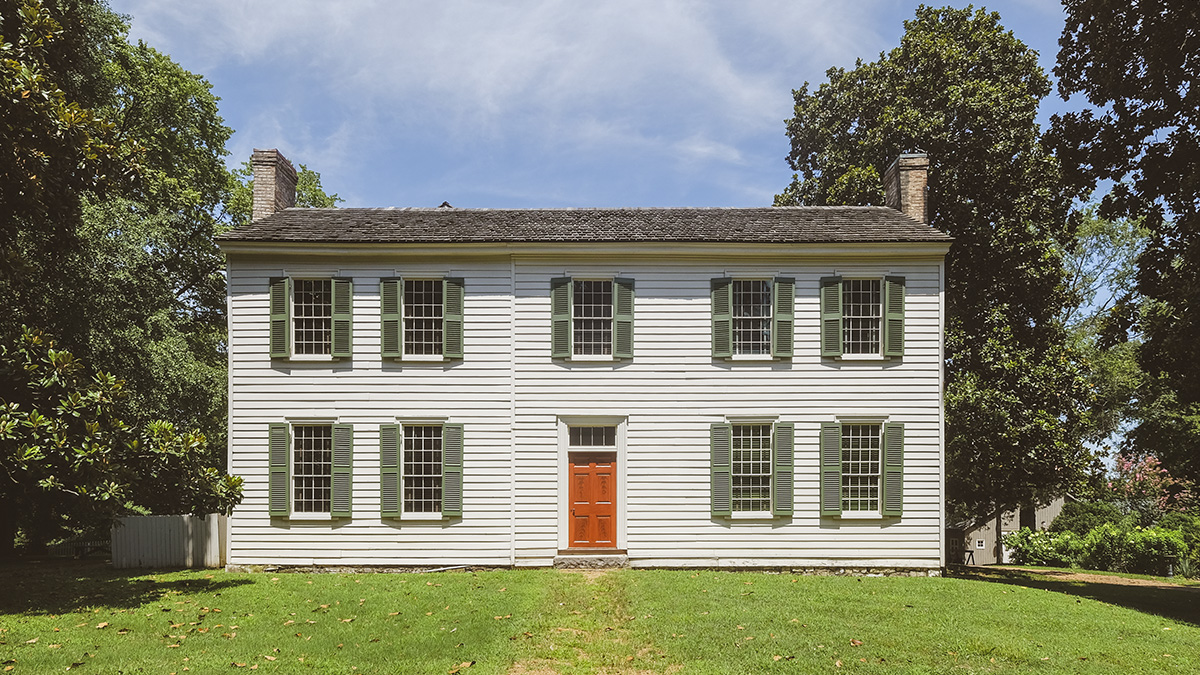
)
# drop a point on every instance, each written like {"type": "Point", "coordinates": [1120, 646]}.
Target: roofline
{"type": "Point", "coordinates": [700, 249]}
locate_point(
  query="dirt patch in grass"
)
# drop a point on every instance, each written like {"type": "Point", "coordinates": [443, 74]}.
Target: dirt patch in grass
{"type": "Point", "coordinates": [1100, 578]}
{"type": "Point", "coordinates": [590, 575]}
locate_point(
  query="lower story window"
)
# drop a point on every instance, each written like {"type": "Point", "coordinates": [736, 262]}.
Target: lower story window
{"type": "Point", "coordinates": [861, 446]}
{"type": "Point", "coordinates": [422, 468]}
{"type": "Point", "coordinates": [751, 469]}
{"type": "Point", "coordinates": [312, 468]}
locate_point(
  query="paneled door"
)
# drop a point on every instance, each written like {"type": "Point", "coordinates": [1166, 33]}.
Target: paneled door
{"type": "Point", "coordinates": [593, 500]}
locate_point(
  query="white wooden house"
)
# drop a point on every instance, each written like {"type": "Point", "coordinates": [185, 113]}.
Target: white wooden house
{"type": "Point", "coordinates": [664, 387]}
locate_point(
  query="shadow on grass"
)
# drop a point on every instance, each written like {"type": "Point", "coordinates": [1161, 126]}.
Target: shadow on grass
{"type": "Point", "coordinates": [1181, 603]}
{"type": "Point", "coordinates": [63, 586]}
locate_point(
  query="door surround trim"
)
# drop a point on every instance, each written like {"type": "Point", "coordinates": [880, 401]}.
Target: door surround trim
{"type": "Point", "coordinates": [564, 423]}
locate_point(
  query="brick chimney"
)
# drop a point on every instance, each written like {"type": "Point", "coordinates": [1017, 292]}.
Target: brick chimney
{"type": "Point", "coordinates": [274, 183]}
{"type": "Point", "coordinates": [905, 184]}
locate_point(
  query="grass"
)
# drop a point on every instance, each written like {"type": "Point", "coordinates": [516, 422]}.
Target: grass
{"type": "Point", "coordinates": [539, 622]}
{"type": "Point", "coordinates": [1177, 579]}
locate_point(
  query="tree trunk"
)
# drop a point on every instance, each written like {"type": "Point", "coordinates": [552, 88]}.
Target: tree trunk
{"type": "Point", "coordinates": [999, 538]}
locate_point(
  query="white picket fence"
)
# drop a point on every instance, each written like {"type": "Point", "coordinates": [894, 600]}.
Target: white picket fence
{"type": "Point", "coordinates": [169, 541]}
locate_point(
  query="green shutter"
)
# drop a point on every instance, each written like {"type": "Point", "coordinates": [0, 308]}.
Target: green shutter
{"type": "Point", "coordinates": [783, 482]}
{"type": "Point", "coordinates": [623, 318]}
{"type": "Point", "coordinates": [343, 319]}
{"type": "Point", "coordinates": [389, 470]}
{"type": "Point", "coordinates": [783, 337]}
{"type": "Point", "coordinates": [279, 449]}
{"type": "Point", "coordinates": [342, 476]}
{"type": "Point", "coordinates": [452, 470]}
{"type": "Point", "coordinates": [453, 293]}
{"type": "Point", "coordinates": [892, 499]}
{"type": "Point", "coordinates": [280, 317]}
{"type": "Point", "coordinates": [389, 317]}
{"type": "Point", "coordinates": [831, 469]}
{"type": "Point", "coordinates": [721, 448]}
{"type": "Point", "coordinates": [560, 317]}
{"type": "Point", "coordinates": [722, 318]}
{"type": "Point", "coordinates": [893, 319]}
{"type": "Point", "coordinates": [831, 316]}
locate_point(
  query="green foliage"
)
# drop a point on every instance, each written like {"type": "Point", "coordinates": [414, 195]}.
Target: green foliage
{"type": "Point", "coordinates": [1137, 64]}
{"type": "Point", "coordinates": [69, 457]}
{"type": "Point", "coordinates": [1187, 525]}
{"type": "Point", "coordinates": [966, 91]}
{"type": "Point", "coordinates": [1038, 547]}
{"type": "Point", "coordinates": [309, 193]}
{"type": "Point", "coordinates": [1120, 547]}
{"type": "Point", "coordinates": [1083, 517]}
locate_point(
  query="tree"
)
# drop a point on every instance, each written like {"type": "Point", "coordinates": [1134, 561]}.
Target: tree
{"type": "Point", "coordinates": [68, 457]}
{"type": "Point", "coordinates": [967, 92]}
{"type": "Point", "coordinates": [1137, 63]}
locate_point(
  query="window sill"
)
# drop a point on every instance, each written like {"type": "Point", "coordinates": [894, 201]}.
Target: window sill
{"type": "Point", "coordinates": [863, 357]}
{"type": "Point", "coordinates": [311, 517]}
{"type": "Point", "coordinates": [422, 358]}
{"type": "Point", "coordinates": [751, 357]}
{"type": "Point", "coordinates": [594, 358]}
{"type": "Point", "coordinates": [311, 357]}
{"type": "Point", "coordinates": [752, 515]}
{"type": "Point", "coordinates": [429, 517]}
{"type": "Point", "coordinates": [862, 515]}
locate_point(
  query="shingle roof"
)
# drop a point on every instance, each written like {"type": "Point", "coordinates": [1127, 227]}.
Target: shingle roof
{"type": "Point", "coordinates": [778, 225]}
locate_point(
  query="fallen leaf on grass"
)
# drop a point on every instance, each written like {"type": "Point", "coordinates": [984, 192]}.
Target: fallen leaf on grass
{"type": "Point", "coordinates": [462, 666]}
{"type": "Point", "coordinates": [347, 620]}
{"type": "Point", "coordinates": [102, 624]}
{"type": "Point", "coordinates": [838, 663]}
{"type": "Point", "coordinates": [269, 658]}
{"type": "Point", "coordinates": [54, 646]}
{"type": "Point", "coordinates": [288, 622]}
{"type": "Point", "coordinates": [856, 643]}
{"type": "Point", "coordinates": [75, 665]}
{"type": "Point", "coordinates": [506, 616]}
{"type": "Point", "coordinates": [31, 642]}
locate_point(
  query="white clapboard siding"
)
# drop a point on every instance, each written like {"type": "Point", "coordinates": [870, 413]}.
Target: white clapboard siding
{"type": "Point", "coordinates": [512, 398]}
{"type": "Point", "coordinates": [169, 541]}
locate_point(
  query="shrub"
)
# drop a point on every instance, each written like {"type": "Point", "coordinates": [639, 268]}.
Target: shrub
{"type": "Point", "coordinates": [1104, 548]}
{"type": "Point", "coordinates": [1083, 517]}
{"type": "Point", "coordinates": [1033, 547]}
{"type": "Point", "coordinates": [1151, 550]}
{"type": "Point", "coordinates": [1189, 526]}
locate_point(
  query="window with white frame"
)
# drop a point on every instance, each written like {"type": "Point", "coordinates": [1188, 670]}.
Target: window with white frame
{"type": "Point", "coordinates": [593, 437]}
{"type": "Point", "coordinates": [862, 316]}
{"type": "Point", "coordinates": [751, 467]}
{"type": "Point", "coordinates": [422, 465]}
{"type": "Point", "coordinates": [861, 467]}
{"type": "Point", "coordinates": [423, 314]}
{"type": "Point", "coordinates": [592, 317]}
{"type": "Point", "coordinates": [312, 468]}
{"type": "Point", "coordinates": [751, 316]}
{"type": "Point", "coordinates": [312, 316]}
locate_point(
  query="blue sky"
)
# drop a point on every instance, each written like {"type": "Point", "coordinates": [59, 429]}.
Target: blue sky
{"type": "Point", "coordinates": [487, 103]}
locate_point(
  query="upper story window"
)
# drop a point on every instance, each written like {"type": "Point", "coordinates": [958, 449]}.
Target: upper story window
{"type": "Point", "coordinates": [591, 318]}
{"type": "Point", "coordinates": [423, 330]}
{"type": "Point", "coordinates": [310, 317]}
{"type": "Point", "coordinates": [862, 316]}
{"type": "Point", "coordinates": [421, 319]}
{"type": "Point", "coordinates": [753, 317]}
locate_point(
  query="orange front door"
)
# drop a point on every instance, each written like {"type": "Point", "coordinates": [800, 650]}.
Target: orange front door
{"type": "Point", "coordinates": [593, 494]}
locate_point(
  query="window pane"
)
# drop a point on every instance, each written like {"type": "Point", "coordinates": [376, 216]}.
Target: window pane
{"type": "Point", "coordinates": [422, 469]}
{"type": "Point", "coordinates": [423, 316]}
{"type": "Point", "coordinates": [751, 317]}
{"type": "Point", "coordinates": [312, 450]}
{"type": "Point", "coordinates": [751, 468]}
{"type": "Point", "coordinates": [312, 316]}
{"type": "Point", "coordinates": [860, 467]}
{"type": "Point", "coordinates": [592, 316]}
{"type": "Point", "coordinates": [593, 436]}
{"type": "Point", "coordinates": [862, 312]}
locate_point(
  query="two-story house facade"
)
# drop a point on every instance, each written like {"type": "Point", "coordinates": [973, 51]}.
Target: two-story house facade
{"type": "Point", "coordinates": [741, 387]}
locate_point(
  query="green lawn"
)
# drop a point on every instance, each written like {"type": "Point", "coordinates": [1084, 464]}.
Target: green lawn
{"type": "Point", "coordinates": [89, 618]}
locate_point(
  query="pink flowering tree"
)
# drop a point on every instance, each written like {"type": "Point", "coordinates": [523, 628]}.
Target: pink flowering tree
{"type": "Point", "coordinates": [1148, 490]}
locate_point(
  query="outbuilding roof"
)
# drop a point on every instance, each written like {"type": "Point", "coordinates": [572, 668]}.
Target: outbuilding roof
{"type": "Point", "coordinates": [769, 225]}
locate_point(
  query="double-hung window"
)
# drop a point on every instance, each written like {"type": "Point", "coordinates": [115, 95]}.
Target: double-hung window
{"type": "Point", "coordinates": [422, 319]}
{"type": "Point", "coordinates": [862, 316]}
{"type": "Point", "coordinates": [591, 319]}
{"type": "Point", "coordinates": [310, 469]}
{"type": "Point", "coordinates": [310, 317]}
{"type": "Point", "coordinates": [862, 468]}
{"type": "Point", "coordinates": [753, 318]}
{"type": "Point", "coordinates": [421, 468]}
{"type": "Point", "coordinates": [752, 468]}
